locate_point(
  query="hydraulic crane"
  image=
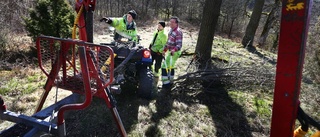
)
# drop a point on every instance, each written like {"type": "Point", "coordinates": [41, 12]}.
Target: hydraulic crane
{"type": "Point", "coordinates": [78, 72]}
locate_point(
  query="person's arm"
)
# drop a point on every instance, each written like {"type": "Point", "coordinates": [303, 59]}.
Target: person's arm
{"type": "Point", "coordinates": [150, 45]}
{"type": "Point", "coordinates": [163, 42]}
{"type": "Point", "coordinates": [112, 21]}
{"type": "Point", "coordinates": [179, 37]}
{"type": "Point", "coordinates": [115, 22]}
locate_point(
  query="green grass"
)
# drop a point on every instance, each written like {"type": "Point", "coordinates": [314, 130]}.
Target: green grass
{"type": "Point", "coordinates": [33, 78]}
{"type": "Point", "coordinates": [262, 106]}
{"type": "Point", "coordinates": [225, 43]}
{"type": "Point", "coordinates": [9, 86]}
{"type": "Point", "coordinates": [29, 88]}
{"type": "Point", "coordinates": [24, 84]}
{"type": "Point", "coordinates": [4, 90]}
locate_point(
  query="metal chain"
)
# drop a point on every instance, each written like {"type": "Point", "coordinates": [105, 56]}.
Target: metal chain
{"type": "Point", "coordinates": [57, 87]}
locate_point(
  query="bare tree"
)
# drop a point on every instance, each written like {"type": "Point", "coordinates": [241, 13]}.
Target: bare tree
{"type": "Point", "coordinates": [248, 38]}
{"type": "Point", "coordinates": [273, 15]}
{"type": "Point", "coordinates": [232, 12]}
{"type": "Point", "coordinates": [209, 20]}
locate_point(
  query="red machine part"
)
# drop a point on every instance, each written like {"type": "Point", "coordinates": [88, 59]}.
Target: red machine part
{"type": "Point", "coordinates": [2, 105]}
{"type": "Point", "coordinates": [146, 54]}
{"type": "Point", "coordinates": [292, 43]}
{"type": "Point", "coordinates": [54, 56]}
{"type": "Point", "coordinates": [86, 19]}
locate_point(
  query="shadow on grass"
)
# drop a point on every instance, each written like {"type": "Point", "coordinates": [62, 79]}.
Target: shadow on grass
{"type": "Point", "coordinates": [97, 120]}
{"type": "Point", "coordinates": [253, 50]}
{"type": "Point", "coordinates": [163, 105]}
{"type": "Point", "coordinates": [228, 116]}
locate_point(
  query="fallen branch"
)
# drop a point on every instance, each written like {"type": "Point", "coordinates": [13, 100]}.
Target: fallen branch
{"type": "Point", "coordinates": [237, 77]}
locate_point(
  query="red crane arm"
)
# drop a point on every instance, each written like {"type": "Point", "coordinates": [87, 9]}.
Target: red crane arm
{"type": "Point", "coordinates": [292, 43]}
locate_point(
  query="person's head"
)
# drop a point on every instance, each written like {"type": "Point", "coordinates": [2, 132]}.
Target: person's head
{"type": "Point", "coordinates": [131, 15]}
{"type": "Point", "coordinates": [174, 22]}
{"type": "Point", "coordinates": [161, 25]}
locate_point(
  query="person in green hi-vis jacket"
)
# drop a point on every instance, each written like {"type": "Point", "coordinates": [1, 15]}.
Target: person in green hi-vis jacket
{"type": "Point", "coordinates": [124, 26]}
{"type": "Point", "coordinates": [156, 47]}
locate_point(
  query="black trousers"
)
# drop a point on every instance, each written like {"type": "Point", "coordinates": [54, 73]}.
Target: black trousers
{"type": "Point", "coordinates": [158, 58]}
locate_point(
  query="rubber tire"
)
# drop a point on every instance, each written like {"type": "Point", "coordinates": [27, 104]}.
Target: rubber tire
{"type": "Point", "coordinates": [1, 102]}
{"type": "Point", "coordinates": [146, 86]}
{"type": "Point", "coordinates": [128, 88]}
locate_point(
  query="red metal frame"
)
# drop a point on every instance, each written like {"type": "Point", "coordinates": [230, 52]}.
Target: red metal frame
{"type": "Point", "coordinates": [89, 5]}
{"type": "Point", "coordinates": [86, 83]}
{"type": "Point", "coordinates": [89, 71]}
{"type": "Point", "coordinates": [62, 64]}
{"type": "Point", "coordinates": [292, 43]}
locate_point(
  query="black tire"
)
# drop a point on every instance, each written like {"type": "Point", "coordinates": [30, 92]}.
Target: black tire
{"type": "Point", "coordinates": [128, 88]}
{"type": "Point", "coordinates": [1, 102]}
{"type": "Point", "coordinates": [146, 88]}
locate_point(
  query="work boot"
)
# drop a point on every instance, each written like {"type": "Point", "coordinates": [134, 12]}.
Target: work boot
{"type": "Point", "coordinates": [164, 91]}
{"type": "Point", "coordinates": [166, 88]}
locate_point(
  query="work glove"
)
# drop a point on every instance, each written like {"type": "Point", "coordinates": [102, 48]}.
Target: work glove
{"type": "Point", "coordinates": [172, 52]}
{"type": "Point", "coordinates": [164, 51]}
{"type": "Point", "coordinates": [103, 19]}
{"type": "Point", "coordinates": [107, 20]}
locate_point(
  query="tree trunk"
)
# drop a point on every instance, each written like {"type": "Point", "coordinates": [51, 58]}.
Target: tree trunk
{"type": "Point", "coordinates": [267, 26]}
{"type": "Point", "coordinates": [147, 7]}
{"type": "Point", "coordinates": [175, 5]}
{"type": "Point", "coordinates": [156, 9]}
{"type": "Point", "coordinates": [210, 16]}
{"type": "Point", "coordinates": [253, 24]}
{"type": "Point", "coordinates": [223, 22]}
{"type": "Point", "coordinates": [230, 30]}
{"type": "Point", "coordinates": [275, 42]}
{"type": "Point", "coordinates": [245, 8]}
{"type": "Point", "coordinates": [118, 8]}
{"type": "Point", "coordinates": [109, 9]}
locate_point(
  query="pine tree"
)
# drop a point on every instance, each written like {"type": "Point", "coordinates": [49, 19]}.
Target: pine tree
{"type": "Point", "coordinates": [51, 18]}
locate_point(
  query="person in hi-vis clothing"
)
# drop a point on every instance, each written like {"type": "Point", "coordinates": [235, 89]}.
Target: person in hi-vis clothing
{"type": "Point", "coordinates": [157, 45]}
{"type": "Point", "coordinates": [171, 52]}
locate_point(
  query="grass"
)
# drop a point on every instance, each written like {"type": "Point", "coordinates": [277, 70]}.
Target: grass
{"type": "Point", "coordinates": [262, 107]}
{"type": "Point", "coordinates": [22, 85]}
{"type": "Point", "coordinates": [19, 88]}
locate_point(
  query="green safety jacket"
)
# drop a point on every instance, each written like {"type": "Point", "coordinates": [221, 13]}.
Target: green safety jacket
{"type": "Point", "coordinates": [159, 42]}
{"type": "Point", "coordinates": [128, 31]}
